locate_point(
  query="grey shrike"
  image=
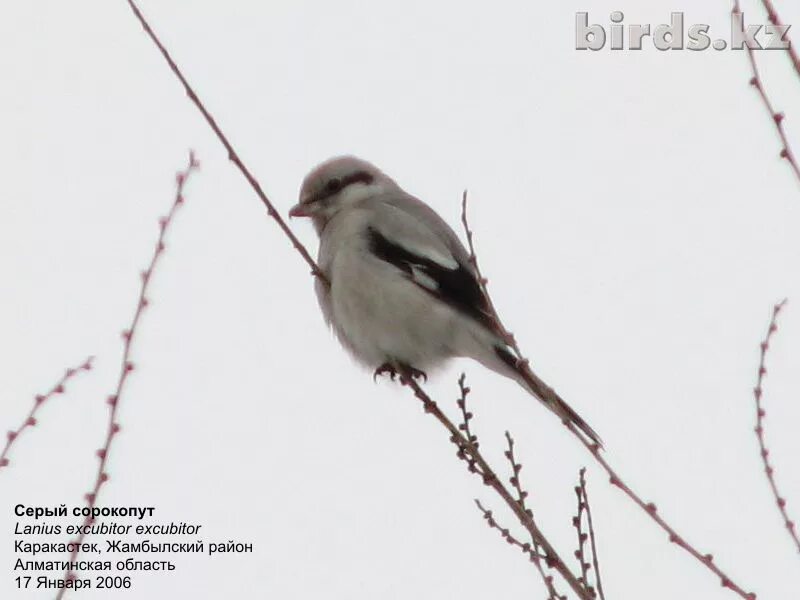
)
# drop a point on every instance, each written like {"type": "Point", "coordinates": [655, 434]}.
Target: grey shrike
{"type": "Point", "coordinates": [403, 295]}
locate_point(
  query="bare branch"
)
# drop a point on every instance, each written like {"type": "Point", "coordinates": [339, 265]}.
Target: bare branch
{"type": "Point", "coordinates": [649, 508]}
{"type": "Point", "coordinates": [772, 14]}
{"type": "Point", "coordinates": [758, 393]}
{"type": "Point", "coordinates": [522, 362]}
{"type": "Point", "coordinates": [127, 367]}
{"type": "Point", "coordinates": [38, 402]}
{"type": "Point", "coordinates": [707, 560]}
{"type": "Point", "coordinates": [473, 259]}
{"type": "Point", "coordinates": [592, 537]}
{"type": "Point", "coordinates": [776, 117]}
{"type": "Point", "coordinates": [577, 523]}
{"type": "Point", "coordinates": [467, 451]}
{"type": "Point", "coordinates": [466, 417]}
{"type": "Point", "coordinates": [516, 467]}
{"type": "Point", "coordinates": [531, 552]}
{"type": "Point", "coordinates": [233, 156]}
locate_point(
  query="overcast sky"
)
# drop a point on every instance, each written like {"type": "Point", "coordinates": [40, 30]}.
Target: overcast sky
{"type": "Point", "coordinates": [630, 210]}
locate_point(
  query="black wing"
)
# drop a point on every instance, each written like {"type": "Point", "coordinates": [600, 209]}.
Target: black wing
{"type": "Point", "coordinates": [457, 287]}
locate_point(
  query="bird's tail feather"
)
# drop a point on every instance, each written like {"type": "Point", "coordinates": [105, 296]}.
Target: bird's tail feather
{"type": "Point", "coordinates": [523, 374]}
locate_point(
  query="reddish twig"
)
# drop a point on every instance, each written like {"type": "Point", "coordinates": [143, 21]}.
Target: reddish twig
{"type": "Point", "coordinates": [522, 362]}
{"type": "Point", "coordinates": [233, 156]}
{"type": "Point", "coordinates": [38, 401]}
{"type": "Point", "coordinates": [592, 537]}
{"type": "Point", "coordinates": [525, 548]}
{"type": "Point", "coordinates": [127, 367]}
{"type": "Point", "coordinates": [463, 453]}
{"type": "Point", "coordinates": [473, 259]}
{"type": "Point", "coordinates": [468, 451]}
{"type": "Point", "coordinates": [707, 560]}
{"type": "Point", "coordinates": [777, 117]}
{"type": "Point", "coordinates": [516, 467]}
{"type": "Point", "coordinates": [577, 523]}
{"type": "Point", "coordinates": [649, 508]}
{"type": "Point", "coordinates": [522, 495]}
{"type": "Point", "coordinates": [773, 17]}
{"type": "Point", "coordinates": [758, 393]}
{"type": "Point", "coordinates": [466, 417]}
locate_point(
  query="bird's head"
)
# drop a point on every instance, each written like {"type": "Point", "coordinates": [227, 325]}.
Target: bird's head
{"type": "Point", "coordinates": [335, 185]}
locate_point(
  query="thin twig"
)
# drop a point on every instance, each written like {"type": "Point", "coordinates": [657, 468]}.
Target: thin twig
{"type": "Point", "coordinates": [127, 367]}
{"type": "Point", "coordinates": [649, 508]}
{"type": "Point", "coordinates": [577, 523]}
{"type": "Point", "coordinates": [592, 537]}
{"type": "Point", "coordinates": [490, 479]}
{"type": "Point", "coordinates": [522, 362]}
{"type": "Point", "coordinates": [522, 496]}
{"type": "Point", "coordinates": [533, 552]}
{"type": "Point", "coordinates": [773, 17]}
{"type": "Point", "coordinates": [516, 467]}
{"type": "Point", "coordinates": [525, 548]}
{"type": "Point", "coordinates": [707, 560]}
{"type": "Point", "coordinates": [38, 402]}
{"type": "Point", "coordinates": [777, 117]}
{"type": "Point", "coordinates": [473, 259]}
{"type": "Point", "coordinates": [466, 417]}
{"type": "Point", "coordinates": [233, 156]}
{"type": "Point", "coordinates": [758, 393]}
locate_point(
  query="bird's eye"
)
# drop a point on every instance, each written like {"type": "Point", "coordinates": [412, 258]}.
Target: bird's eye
{"type": "Point", "coordinates": [333, 185]}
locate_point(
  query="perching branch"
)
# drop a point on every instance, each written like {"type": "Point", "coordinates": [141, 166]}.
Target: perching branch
{"type": "Point", "coordinates": [127, 366]}
{"type": "Point", "coordinates": [38, 401]}
{"type": "Point", "coordinates": [469, 452]}
{"type": "Point", "coordinates": [233, 156]}
{"type": "Point", "coordinates": [533, 552]}
{"type": "Point", "coordinates": [758, 393]}
{"type": "Point", "coordinates": [706, 560]}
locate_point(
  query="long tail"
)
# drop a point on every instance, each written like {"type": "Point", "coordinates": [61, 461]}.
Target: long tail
{"type": "Point", "coordinates": [545, 393]}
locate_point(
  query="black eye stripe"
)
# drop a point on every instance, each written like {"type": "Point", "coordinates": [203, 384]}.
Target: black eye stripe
{"type": "Point", "coordinates": [359, 177]}
{"type": "Point", "coordinates": [336, 185]}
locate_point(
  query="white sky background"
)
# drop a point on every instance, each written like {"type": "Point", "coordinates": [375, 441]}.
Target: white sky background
{"type": "Point", "coordinates": [630, 210]}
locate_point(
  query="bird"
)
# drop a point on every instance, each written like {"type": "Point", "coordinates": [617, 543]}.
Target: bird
{"type": "Point", "coordinates": [399, 289]}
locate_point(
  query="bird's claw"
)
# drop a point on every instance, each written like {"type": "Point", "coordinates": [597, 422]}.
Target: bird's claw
{"type": "Point", "coordinates": [384, 369]}
{"type": "Point", "coordinates": [393, 372]}
{"type": "Point", "coordinates": [416, 373]}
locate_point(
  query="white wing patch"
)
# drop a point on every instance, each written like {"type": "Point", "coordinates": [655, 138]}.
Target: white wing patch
{"type": "Point", "coordinates": [414, 236]}
{"type": "Point", "coordinates": [443, 259]}
{"type": "Point", "coordinates": [423, 279]}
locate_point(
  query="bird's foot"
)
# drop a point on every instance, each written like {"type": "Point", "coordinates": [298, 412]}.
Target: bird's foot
{"type": "Point", "coordinates": [402, 371]}
{"type": "Point", "coordinates": [384, 369]}
{"type": "Point", "coordinates": [413, 373]}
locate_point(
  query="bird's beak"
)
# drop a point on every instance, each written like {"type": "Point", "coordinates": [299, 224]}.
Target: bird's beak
{"type": "Point", "coordinates": [299, 210]}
